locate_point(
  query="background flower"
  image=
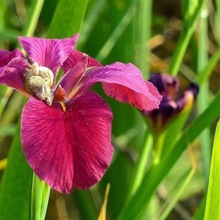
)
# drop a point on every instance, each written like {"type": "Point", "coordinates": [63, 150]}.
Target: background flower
{"type": "Point", "coordinates": [173, 102]}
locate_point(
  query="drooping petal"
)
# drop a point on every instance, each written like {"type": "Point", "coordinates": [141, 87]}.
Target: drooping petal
{"type": "Point", "coordinates": [125, 83]}
{"type": "Point", "coordinates": [70, 148]}
{"type": "Point", "coordinates": [149, 99]}
{"type": "Point", "coordinates": [11, 74]}
{"type": "Point", "coordinates": [75, 57]}
{"type": "Point", "coordinates": [48, 52]}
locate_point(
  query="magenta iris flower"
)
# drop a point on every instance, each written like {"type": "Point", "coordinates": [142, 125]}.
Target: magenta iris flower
{"type": "Point", "coordinates": [66, 127]}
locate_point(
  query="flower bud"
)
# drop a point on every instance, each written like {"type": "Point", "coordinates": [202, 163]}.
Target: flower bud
{"type": "Point", "coordinates": [173, 103]}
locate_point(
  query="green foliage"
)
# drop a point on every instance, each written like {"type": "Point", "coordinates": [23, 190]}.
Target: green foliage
{"type": "Point", "coordinates": [213, 196]}
{"type": "Point", "coordinates": [67, 18]}
{"type": "Point", "coordinates": [15, 188]}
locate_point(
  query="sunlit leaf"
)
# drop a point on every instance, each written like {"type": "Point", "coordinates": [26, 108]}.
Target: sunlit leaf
{"type": "Point", "coordinates": [212, 210]}
{"type": "Point", "coordinates": [15, 187]}
{"type": "Point", "coordinates": [67, 18]}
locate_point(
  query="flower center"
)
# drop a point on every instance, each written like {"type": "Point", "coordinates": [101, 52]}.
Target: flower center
{"type": "Point", "coordinates": [38, 81]}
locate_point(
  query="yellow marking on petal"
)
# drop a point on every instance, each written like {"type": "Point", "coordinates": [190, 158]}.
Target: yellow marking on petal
{"type": "Point", "coordinates": [3, 163]}
{"type": "Point", "coordinates": [73, 91]}
{"type": "Point", "coordinates": [63, 106]}
{"type": "Point", "coordinates": [102, 215]}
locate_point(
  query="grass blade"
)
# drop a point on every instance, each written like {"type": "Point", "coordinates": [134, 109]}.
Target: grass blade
{"type": "Point", "coordinates": [184, 39]}
{"type": "Point", "coordinates": [16, 184]}
{"type": "Point", "coordinates": [39, 198]}
{"type": "Point", "coordinates": [212, 210]}
{"type": "Point", "coordinates": [67, 18]}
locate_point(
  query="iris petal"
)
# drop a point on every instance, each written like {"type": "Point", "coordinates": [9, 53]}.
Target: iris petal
{"type": "Point", "coordinates": [70, 148]}
{"type": "Point", "coordinates": [125, 83]}
{"type": "Point", "coordinates": [11, 73]}
{"type": "Point", "coordinates": [75, 57]}
{"type": "Point", "coordinates": [48, 52]}
{"type": "Point", "coordinates": [143, 100]}
{"type": "Point", "coordinates": [7, 56]}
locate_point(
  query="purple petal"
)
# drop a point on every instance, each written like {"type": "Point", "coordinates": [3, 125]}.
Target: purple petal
{"type": "Point", "coordinates": [48, 52]}
{"type": "Point", "coordinates": [71, 80]}
{"type": "Point", "coordinates": [71, 148]}
{"type": "Point", "coordinates": [146, 100]}
{"type": "Point", "coordinates": [12, 68]}
{"type": "Point", "coordinates": [125, 83]}
{"type": "Point", "coordinates": [7, 56]}
{"type": "Point", "coordinates": [75, 57]}
{"type": "Point", "coordinates": [166, 84]}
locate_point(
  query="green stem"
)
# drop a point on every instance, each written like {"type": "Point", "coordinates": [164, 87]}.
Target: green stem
{"type": "Point", "coordinates": [145, 10]}
{"type": "Point", "coordinates": [39, 199]}
{"type": "Point", "coordinates": [141, 164]}
{"type": "Point", "coordinates": [204, 90]}
{"type": "Point", "coordinates": [158, 148]}
{"type": "Point", "coordinates": [177, 195]}
{"type": "Point", "coordinates": [184, 39]}
{"type": "Point", "coordinates": [107, 47]}
{"type": "Point", "coordinates": [34, 14]}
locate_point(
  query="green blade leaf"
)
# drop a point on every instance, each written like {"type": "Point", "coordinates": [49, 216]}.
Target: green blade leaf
{"type": "Point", "coordinates": [212, 210]}
{"type": "Point", "coordinates": [15, 187]}
{"type": "Point", "coordinates": [184, 39]}
{"type": "Point", "coordinates": [67, 18]}
{"type": "Point", "coordinates": [40, 197]}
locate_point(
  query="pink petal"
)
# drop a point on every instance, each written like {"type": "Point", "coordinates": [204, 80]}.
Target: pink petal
{"type": "Point", "coordinates": [48, 52]}
{"type": "Point", "coordinates": [148, 101]}
{"type": "Point", "coordinates": [72, 78]}
{"type": "Point", "coordinates": [125, 83]}
{"type": "Point", "coordinates": [68, 149]}
{"type": "Point", "coordinates": [7, 56]}
{"type": "Point", "coordinates": [75, 57]}
{"type": "Point", "coordinates": [11, 74]}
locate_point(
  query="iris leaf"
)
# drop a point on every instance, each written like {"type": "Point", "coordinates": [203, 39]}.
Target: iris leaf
{"type": "Point", "coordinates": [67, 18]}
{"type": "Point", "coordinates": [16, 184]}
{"type": "Point", "coordinates": [40, 197]}
{"type": "Point", "coordinates": [212, 210]}
{"type": "Point", "coordinates": [183, 41]}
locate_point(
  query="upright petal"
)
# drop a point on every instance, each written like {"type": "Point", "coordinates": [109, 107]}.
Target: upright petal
{"type": "Point", "coordinates": [68, 146]}
{"type": "Point", "coordinates": [71, 80]}
{"type": "Point", "coordinates": [75, 57]}
{"type": "Point", "coordinates": [125, 83]}
{"type": "Point", "coordinates": [48, 52]}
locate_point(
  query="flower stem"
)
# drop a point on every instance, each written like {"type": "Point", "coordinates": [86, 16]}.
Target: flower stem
{"type": "Point", "coordinates": [33, 15]}
{"type": "Point", "coordinates": [141, 164]}
{"type": "Point", "coordinates": [158, 148]}
{"type": "Point", "coordinates": [184, 39]}
{"type": "Point", "coordinates": [39, 198]}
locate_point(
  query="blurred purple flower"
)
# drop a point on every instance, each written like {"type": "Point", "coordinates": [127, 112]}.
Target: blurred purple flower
{"type": "Point", "coordinates": [65, 127]}
{"type": "Point", "coordinates": [173, 103]}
